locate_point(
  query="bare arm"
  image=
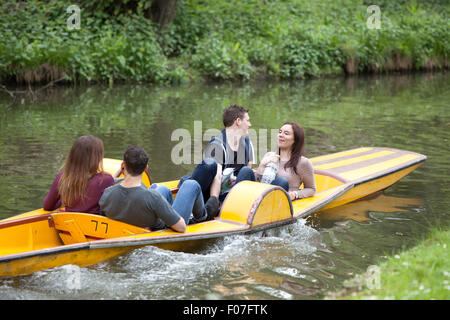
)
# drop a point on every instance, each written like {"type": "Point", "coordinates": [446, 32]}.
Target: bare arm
{"type": "Point", "coordinates": [309, 183]}
{"type": "Point", "coordinates": [216, 184]}
{"type": "Point", "coordinates": [180, 226]}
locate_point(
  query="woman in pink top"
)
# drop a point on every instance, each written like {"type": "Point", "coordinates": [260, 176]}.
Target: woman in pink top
{"type": "Point", "coordinates": [82, 182]}
{"type": "Point", "coordinates": [293, 168]}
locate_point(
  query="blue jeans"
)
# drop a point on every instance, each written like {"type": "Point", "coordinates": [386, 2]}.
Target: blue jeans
{"type": "Point", "coordinates": [246, 173]}
{"type": "Point", "coordinates": [189, 200]}
{"type": "Point", "coordinates": [204, 174]}
{"type": "Point", "coordinates": [282, 182]}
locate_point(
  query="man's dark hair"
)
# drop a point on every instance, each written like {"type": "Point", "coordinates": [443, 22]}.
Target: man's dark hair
{"type": "Point", "coordinates": [135, 159]}
{"type": "Point", "coordinates": [231, 113]}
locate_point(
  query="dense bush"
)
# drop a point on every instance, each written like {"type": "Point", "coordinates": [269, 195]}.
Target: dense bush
{"type": "Point", "coordinates": [222, 39]}
{"type": "Point", "coordinates": [35, 44]}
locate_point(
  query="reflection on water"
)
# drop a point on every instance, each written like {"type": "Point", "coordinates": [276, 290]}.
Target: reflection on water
{"type": "Point", "coordinates": [300, 261]}
{"type": "Point", "coordinates": [359, 211]}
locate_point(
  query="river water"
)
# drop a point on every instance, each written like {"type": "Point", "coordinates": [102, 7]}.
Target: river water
{"type": "Point", "coordinates": [305, 260]}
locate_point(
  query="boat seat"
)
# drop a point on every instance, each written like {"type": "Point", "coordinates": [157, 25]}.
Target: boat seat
{"type": "Point", "coordinates": [77, 227]}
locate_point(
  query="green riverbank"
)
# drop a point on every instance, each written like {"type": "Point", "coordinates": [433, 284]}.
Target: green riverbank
{"type": "Point", "coordinates": [115, 41]}
{"type": "Point", "coordinates": [420, 273]}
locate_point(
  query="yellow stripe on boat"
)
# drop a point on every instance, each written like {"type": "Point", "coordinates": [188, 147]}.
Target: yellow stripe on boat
{"type": "Point", "coordinates": [379, 167]}
{"type": "Point", "coordinates": [347, 162]}
{"type": "Point", "coordinates": [339, 154]}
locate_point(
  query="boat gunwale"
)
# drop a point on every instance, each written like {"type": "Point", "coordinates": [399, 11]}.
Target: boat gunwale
{"type": "Point", "coordinates": [44, 252]}
{"type": "Point", "coordinates": [25, 220]}
{"type": "Point", "coordinates": [150, 240]}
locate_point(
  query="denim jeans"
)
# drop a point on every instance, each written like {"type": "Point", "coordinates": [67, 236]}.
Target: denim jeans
{"type": "Point", "coordinates": [282, 182]}
{"type": "Point", "coordinates": [246, 173]}
{"type": "Point", "coordinates": [204, 174]}
{"type": "Point", "coordinates": [189, 200]}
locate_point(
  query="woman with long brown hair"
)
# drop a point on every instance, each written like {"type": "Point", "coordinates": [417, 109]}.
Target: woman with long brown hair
{"type": "Point", "coordinates": [82, 182]}
{"type": "Point", "coordinates": [293, 168]}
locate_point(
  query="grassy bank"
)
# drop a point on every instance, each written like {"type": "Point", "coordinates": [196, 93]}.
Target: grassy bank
{"type": "Point", "coordinates": [223, 40]}
{"type": "Point", "coordinates": [421, 273]}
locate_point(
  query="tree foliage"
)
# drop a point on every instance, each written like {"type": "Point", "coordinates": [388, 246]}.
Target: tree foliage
{"type": "Point", "coordinates": [176, 40]}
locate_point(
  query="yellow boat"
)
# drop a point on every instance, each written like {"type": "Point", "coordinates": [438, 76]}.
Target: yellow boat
{"type": "Point", "coordinates": [41, 239]}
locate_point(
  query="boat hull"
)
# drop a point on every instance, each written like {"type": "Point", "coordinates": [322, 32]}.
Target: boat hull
{"type": "Point", "coordinates": [370, 170]}
{"type": "Point", "coordinates": [368, 188]}
{"type": "Point", "coordinates": [40, 260]}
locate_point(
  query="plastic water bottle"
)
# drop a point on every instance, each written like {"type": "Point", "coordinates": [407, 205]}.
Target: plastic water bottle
{"type": "Point", "coordinates": [270, 172]}
{"type": "Point", "coordinates": [227, 179]}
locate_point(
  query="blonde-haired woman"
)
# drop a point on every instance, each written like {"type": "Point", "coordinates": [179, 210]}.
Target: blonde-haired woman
{"type": "Point", "coordinates": [82, 182]}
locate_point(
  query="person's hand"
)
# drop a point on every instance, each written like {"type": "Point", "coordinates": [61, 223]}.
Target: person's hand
{"type": "Point", "coordinates": [270, 158]}
{"type": "Point", "coordinates": [231, 181]}
{"type": "Point", "coordinates": [119, 171]}
{"type": "Point", "coordinates": [292, 195]}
